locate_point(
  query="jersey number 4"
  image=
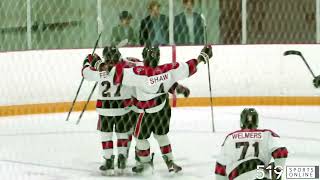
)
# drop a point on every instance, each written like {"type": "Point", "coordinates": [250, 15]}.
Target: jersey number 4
{"type": "Point", "coordinates": [106, 93]}
{"type": "Point", "coordinates": [246, 145]}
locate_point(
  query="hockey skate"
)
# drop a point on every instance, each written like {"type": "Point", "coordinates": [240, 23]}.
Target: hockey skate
{"type": "Point", "coordinates": [108, 168]}
{"type": "Point", "coordinates": [142, 167]}
{"type": "Point", "coordinates": [172, 167]}
{"type": "Point", "coordinates": [122, 163]}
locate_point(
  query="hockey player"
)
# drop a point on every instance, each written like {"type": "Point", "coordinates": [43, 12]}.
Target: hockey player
{"type": "Point", "coordinates": [245, 150]}
{"type": "Point", "coordinates": [113, 107]}
{"type": "Point", "coordinates": [153, 82]}
{"type": "Point", "coordinates": [316, 81]}
{"type": "Point", "coordinates": [94, 69]}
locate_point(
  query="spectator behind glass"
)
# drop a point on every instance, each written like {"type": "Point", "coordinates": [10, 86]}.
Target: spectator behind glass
{"type": "Point", "coordinates": [123, 30]}
{"type": "Point", "coordinates": [154, 29]}
{"type": "Point", "coordinates": [188, 26]}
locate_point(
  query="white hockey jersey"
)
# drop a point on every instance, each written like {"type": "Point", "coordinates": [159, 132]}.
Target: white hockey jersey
{"type": "Point", "coordinates": [243, 150]}
{"type": "Point", "coordinates": [153, 84]}
{"type": "Point", "coordinates": [113, 100]}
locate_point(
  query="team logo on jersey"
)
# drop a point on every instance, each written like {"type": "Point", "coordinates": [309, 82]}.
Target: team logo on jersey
{"type": "Point", "coordinates": [158, 79]}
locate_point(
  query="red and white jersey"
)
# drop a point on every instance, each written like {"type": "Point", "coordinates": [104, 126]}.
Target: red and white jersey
{"type": "Point", "coordinates": [113, 99]}
{"type": "Point", "coordinates": [153, 84]}
{"type": "Point", "coordinates": [248, 148]}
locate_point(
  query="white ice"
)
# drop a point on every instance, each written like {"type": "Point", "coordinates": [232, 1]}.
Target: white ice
{"type": "Point", "coordinates": [46, 147]}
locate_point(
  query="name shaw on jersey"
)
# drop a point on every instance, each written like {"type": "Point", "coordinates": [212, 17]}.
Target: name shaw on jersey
{"type": "Point", "coordinates": [247, 135]}
{"type": "Point", "coordinates": [153, 80]}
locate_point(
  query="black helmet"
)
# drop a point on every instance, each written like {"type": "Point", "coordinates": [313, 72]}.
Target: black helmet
{"type": "Point", "coordinates": [151, 55]}
{"type": "Point", "coordinates": [249, 118]}
{"type": "Point", "coordinates": [111, 53]}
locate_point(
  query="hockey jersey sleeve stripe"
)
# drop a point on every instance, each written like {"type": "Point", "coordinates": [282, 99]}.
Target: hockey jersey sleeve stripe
{"type": "Point", "coordinates": [149, 71]}
{"type": "Point", "coordinates": [233, 174]}
{"type": "Point", "coordinates": [107, 145]}
{"type": "Point", "coordinates": [192, 66]}
{"type": "Point", "coordinates": [220, 169]}
{"type": "Point", "coordinates": [280, 153]}
{"type": "Point", "coordinates": [244, 167]}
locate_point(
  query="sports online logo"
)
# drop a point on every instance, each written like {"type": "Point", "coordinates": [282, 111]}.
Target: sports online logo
{"type": "Point", "coordinates": [302, 172]}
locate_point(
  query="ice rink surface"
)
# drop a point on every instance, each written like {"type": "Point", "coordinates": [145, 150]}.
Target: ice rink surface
{"type": "Point", "coordinates": [46, 147]}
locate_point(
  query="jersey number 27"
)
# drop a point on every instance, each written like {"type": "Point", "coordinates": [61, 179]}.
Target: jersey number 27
{"type": "Point", "coordinates": [106, 92]}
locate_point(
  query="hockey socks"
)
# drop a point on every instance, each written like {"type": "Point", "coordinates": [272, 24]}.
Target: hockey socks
{"type": "Point", "coordinates": [166, 151]}
{"type": "Point", "coordinates": [143, 158]}
{"type": "Point", "coordinates": [107, 144]}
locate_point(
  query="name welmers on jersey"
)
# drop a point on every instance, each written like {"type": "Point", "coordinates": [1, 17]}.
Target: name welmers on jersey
{"type": "Point", "coordinates": [244, 135]}
{"type": "Point", "coordinates": [158, 79]}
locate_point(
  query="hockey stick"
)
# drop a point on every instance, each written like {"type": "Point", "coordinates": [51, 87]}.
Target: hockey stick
{"type": "Point", "coordinates": [298, 53]}
{"type": "Point", "coordinates": [80, 85]}
{"type": "Point", "coordinates": [85, 106]}
{"type": "Point", "coordinates": [121, 44]}
{"type": "Point", "coordinates": [209, 76]}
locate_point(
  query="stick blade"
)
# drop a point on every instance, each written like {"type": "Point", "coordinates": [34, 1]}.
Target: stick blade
{"type": "Point", "coordinates": [292, 52]}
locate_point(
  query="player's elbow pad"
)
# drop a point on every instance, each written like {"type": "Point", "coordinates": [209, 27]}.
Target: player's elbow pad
{"type": "Point", "coordinates": [280, 155]}
{"type": "Point", "coordinates": [281, 152]}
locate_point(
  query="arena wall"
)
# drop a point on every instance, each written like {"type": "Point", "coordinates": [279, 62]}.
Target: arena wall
{"type": "Point", "coordinates": [45, 81]}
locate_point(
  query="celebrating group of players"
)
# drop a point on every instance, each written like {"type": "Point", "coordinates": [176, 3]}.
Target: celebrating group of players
{"type": "Point", "coordinates": [133, 100]}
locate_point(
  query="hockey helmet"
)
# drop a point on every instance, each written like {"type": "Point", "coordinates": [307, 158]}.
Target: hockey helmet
{"type": "Point", "coordinates": [249, 119]}
{"type": "Point", "coordinates": [111, 54]}
{"type": "Point", "coordinates": [151, 55]}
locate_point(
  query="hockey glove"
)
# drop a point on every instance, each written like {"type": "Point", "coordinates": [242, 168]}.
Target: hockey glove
{"type": "Point", "coordinates": [94, 61]}
{"type": "Point", "coordinates": [205, 54]}
{"type": "Point", "coordinates": [183, 90]}
{"type": "Point", "coordinates": [316, 81]}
